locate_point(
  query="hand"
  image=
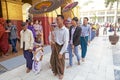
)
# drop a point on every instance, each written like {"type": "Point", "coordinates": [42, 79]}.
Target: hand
{"type": "Point", "coordinates": [36, 61]}
{"type": "Point", "coordinates": [30, 50]}
{"type": "Point", "coordinates": [18, 37]}
{"type": "Point", "coordinates": [72, 46]}
{"type": "Point", "coordinates": [40, 59]}
{"type": "Point", "coordinates": [60, 56]}
{"type": "Point", "coordinates": [88, 42]}
{"type": "Point", "coordinates": [52, 42]}
{"type": "Point", "coordinates": [7, 31]}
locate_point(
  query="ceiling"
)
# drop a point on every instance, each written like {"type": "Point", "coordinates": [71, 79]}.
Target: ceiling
{"type": "Point", "coordinates": [27, 1]}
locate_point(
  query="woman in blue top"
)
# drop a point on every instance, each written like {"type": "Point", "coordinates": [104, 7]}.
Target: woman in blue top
{"type": "Point", "coordinates": [84, 37]}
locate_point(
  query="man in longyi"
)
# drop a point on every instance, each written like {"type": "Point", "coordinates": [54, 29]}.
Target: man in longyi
{"type": "Point", "coordinates": [60, 46]}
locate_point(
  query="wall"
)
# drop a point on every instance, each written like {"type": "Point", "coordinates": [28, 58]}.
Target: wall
{"type": "Point", "coordinates": [12, 10]}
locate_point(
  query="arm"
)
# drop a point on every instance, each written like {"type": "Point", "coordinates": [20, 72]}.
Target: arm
{"type": "Point", "coordinates": [40, 49]}
{"type": "Point", "coordinates": [89, 34]}
{"type": "Point", "coordinates": [32, 40]}
{"type": "Point", "coordinates": [21, 40]}
{"type": "Point", "coordinates": [41, 57]}
{"type": "Point", "coordinates": [16, 31]}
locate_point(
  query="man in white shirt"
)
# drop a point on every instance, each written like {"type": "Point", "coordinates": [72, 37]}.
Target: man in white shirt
{"type": "Point", "coordinates": [60, 46]}
{"type": "Point", "coordinates": [27, 41]}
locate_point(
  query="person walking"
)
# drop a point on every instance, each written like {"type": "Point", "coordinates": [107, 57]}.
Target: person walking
{"type": "Point", "coordinates": [74, 41]}
{"type": "Point", "coordinates": [27, 41]}
{"type": "Point", "coordinates": [60, 46]}
{"type": "Point", "coordinates": [84, 37]}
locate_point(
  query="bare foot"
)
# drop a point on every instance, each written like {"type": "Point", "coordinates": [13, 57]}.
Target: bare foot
{"type": "Point", "coordinates": [28, 70]}
{"type": "Point", "coordinates": [78, 62]}
{"type": "Point", "coordinates": [4, 56]}
{"type": "Point", "coordinates": [55, 74]}
{"type": "Point", "coordinates": [83, 60]}
{"type": "Point", "coordinates": [60, 77]}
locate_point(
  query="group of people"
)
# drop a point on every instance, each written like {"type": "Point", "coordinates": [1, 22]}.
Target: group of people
{"type": "Point", "coordinates": [62, 37]}
{"type": "Point", "coordinates": [9, 35]}
{"type": "Point", "coordinates": [68, 37]}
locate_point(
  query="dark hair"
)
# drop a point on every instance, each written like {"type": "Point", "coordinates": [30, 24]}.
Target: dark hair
{"type": "Point", "coordinates": [8, 21]}
{"type": "Point", "coordinates": [29, 23]}
{"type": "Point", "coordinates": [86, 18]}
{"type": "Point", "coordinates": [61, 16]}
{"type": "Point", "coordinates": [23, 24]}
{"type": "Point", "coordinates": [75, 19]}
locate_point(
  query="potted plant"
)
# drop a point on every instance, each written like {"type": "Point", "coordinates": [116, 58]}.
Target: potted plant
{"type": "Point", "coordinates": [113, 38]}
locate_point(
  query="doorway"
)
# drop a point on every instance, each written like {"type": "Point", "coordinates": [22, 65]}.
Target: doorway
{"type": "Point", "coordinates": [25, 12]}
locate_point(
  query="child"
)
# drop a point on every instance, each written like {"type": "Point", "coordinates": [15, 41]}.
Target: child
{"type": "Point", "coordinates": [38, 55]}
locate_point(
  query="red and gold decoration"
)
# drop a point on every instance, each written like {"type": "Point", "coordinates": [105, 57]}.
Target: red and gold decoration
{"type": "Point", "coordinates": [45, 6]}
{"type": "Point", "coordinates": [69, 7]}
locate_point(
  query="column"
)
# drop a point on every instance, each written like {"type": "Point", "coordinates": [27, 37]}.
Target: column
{"type": "Point", "coordinates": [105, 17]}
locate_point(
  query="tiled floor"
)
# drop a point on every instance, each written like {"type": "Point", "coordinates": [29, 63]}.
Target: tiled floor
{"type": "Point", "coordinates": [2, 69]}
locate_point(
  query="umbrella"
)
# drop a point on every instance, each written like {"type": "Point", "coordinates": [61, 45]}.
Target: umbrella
{"type": "Point", "coordinates": [45, 6]}
{"type": "Point", "coordinates": [70, 7]}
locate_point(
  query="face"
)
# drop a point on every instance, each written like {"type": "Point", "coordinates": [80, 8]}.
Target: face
{"type": "Point", "coordinates": [25, 27]}
{"type": "Point", "coordinates": [10, 24]}
{"type": "Point", "coordinates": [31, 23]}
{"type": "Point", "coordinates": [68, 24]}
{"type": "Point", "coordinates": [37, 22]}
{"type": "Point", "coordinates": [73, 22]}
{"type": "Point", "coordinates": [59, 20]}
{"type": "Point", "coordinates": [85, 21]}
{"type": "Point", "coordinates": [40, 22]}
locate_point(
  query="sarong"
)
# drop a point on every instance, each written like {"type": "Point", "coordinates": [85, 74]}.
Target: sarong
{"type": "Point", "coordinates": [56, 63]}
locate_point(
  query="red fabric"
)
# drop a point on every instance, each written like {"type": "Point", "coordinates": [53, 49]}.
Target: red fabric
{"type": "Point", "coordinates": [2, 30]}
{"type": "Point", "coordinates": [4, 45]}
